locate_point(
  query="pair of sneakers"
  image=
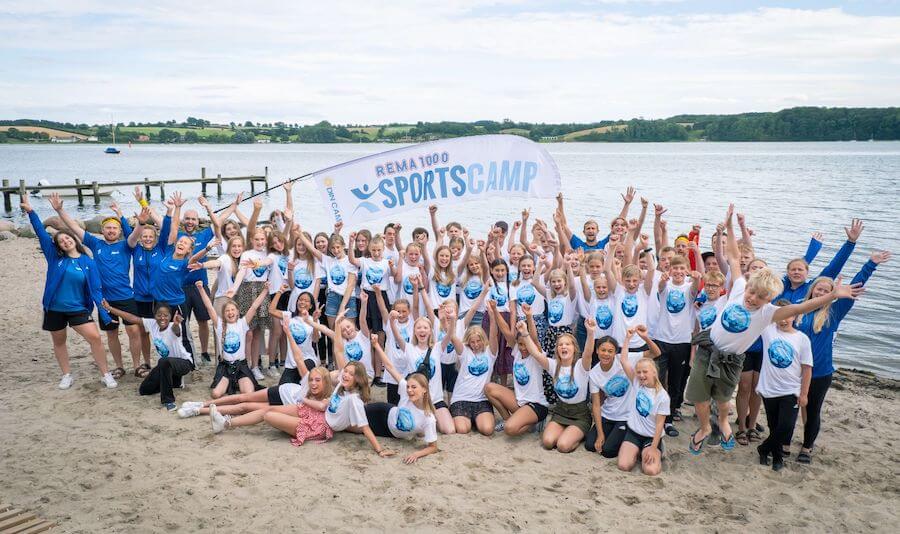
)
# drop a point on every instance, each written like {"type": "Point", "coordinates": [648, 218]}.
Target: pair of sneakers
{"type": "Point", "coordinates": [257, 374]}
{"type": "Point", "coordinates": [107, 380]}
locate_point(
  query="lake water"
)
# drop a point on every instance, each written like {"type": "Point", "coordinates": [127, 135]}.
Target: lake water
{"type": "Point", "coordinates": [786, 190]}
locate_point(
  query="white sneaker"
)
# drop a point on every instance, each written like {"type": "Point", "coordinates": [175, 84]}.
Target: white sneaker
{"type": "Point", "coordinates": [109, 381]}
{"type": "Point", "coordinates": [66, 381]}
{"type": "Point", "coordinates": [257, 374]}
{"type": "Point", "coordinates": [189, 409]}
{"type": "Point", "coordinates": [501, 424]}
{"type": "Point", "coordinates": [273, 372]}
{"type": "Point", "coordinates": [216, 419]}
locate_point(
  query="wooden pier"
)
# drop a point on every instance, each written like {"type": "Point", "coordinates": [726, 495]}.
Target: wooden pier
{"type": "Point", "coordinates": [93, 189]}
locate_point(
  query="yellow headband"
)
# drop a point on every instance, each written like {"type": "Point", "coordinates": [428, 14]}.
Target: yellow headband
{"type": "Point", "coordinates": [108, 219]}
{"type": "Point", "coordinates": [681, 238]}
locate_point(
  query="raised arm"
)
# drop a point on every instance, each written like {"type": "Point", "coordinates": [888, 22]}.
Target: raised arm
{"type": "Point", "coordinates": [130, 317]}
{"type": "Point", "coordinates": [627, 198]}
{"type": "Point", "coordinates": [395, 329]}
{"type": "Point", "coordinates": [47, 246]}
{"type": "Point", "coordinates": [273, 304]}
{"type": "Point", "coordinates": [57, 204]}
{"type": "Point", "coordinates": [435, 227]}
{"type": "Point", "coordinates": [254, 218]}
{"type": "Point", "coordinates": [843, 254]}
{"type": "Point", "coordinates": [210, 309]}
{"type": "Point", "coordinates": [382, 357]}
{"type": "Point", "coordinates": [590, 325]}
{"type": "Point", "coordinates": [295, 349]}
{"type": "Point", "coordinates": [746, 234]}
{"type": "Point", "coordinates": [135, 235]}
{"type": "Point", "coordinates": [660, 238]}
{"type": "Point", "coordinates": [533, 350]}
{"type": "Point", "coordinates": [840, 291]}
{"type": "Point", "coordinates": [364, 313]}
{"type": "Point", "coordinates": [652, 347]}
{"type": "Point", "coordinates": [732, 253]}
{"type": "Point", "coordinates": [177, 202]}
{"type": "Point", "coordinates": [205, 250]}
{"type": "Point", "coordinates": [317, 254]}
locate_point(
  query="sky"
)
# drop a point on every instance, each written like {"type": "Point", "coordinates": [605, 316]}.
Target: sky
{"type": "Point", "coordinates": [364, 62]}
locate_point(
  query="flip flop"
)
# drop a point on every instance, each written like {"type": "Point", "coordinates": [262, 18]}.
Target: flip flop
{"type": "Point", "coordinates": [741, 437]}
{"type": "Point", "coordinates": [142, 371]}
{"type": "Point", "coordinates": [694, 446]}
{"type": "Point", "coordinates": [117, 373]}
{"type": "Point", "coordinates": [727, 444]}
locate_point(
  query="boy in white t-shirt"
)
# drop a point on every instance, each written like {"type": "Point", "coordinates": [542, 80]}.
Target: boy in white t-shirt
{"type": "Point", "coordinates": [719, 358]}
{"type": "Point", "coordinates": [783, 384]}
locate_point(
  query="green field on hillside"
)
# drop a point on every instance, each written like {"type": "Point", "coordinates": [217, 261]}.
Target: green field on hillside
{"type": "Point", "coordinates": [154, 130]}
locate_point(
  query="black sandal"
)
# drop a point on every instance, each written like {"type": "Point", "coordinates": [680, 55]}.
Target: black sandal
{"type": "Point", "coordinates": [804, 458]}
{"type": "Point", "coordinates": [142, 371]}
{"type": "Point", "coordinates": [117, 373]}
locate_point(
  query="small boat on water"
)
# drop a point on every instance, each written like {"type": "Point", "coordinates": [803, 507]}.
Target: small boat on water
{"type": "Point", "coordinates": [112, 150]}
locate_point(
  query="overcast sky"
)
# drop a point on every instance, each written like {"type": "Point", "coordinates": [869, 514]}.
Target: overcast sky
{"type": "Point", "coordinates": [365, 62]}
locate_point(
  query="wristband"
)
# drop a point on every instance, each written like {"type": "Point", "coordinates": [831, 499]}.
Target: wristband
{"type": "Point", "coordinates": [143, 202]}
{"type": "Point", "coordinates": [648, 250]}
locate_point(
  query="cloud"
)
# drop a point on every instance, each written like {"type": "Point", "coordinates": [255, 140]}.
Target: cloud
{"type": "Point", "coordinates": [365, 62]}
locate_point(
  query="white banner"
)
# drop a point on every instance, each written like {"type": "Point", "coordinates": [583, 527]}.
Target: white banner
{"type": "Point", "coordinates": [438, 172]}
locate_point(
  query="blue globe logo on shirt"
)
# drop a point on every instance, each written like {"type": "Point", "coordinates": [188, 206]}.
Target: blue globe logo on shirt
{"type": "Point", "coordinates": [526, 294]}
{"type": "Point", "coordinates": [781, 353]}
{"type": "Point", "coordinates": [334, 403]}
{"type": "Point", "coordinates": [354, 351]}
{"type": "Point", "coordinates": [555, 309]}
{"type": "Point", "coordinates": [405, 420]}
{"type": "Point", "coordinates": [232, 342]}
{"type": "Point", "coordinates": [707, 317]}
{"type": "Point", "coordinates": [302, 279]}
{"type": "Point", "coordinates": [520, 371]}
{"type": "Point", "coordinates": [443, 290]}
{"type": "Point", "coordinates": [161, 347]}
{"type": "Point", "coordinates": [338, 275]}
{"type": "Point", "coordinates": [603, 316]}
{"type": "Point", "coordinates": [407, 286]}
{"type": "Point", "coordinates": [566, 387]}
{"type": "Point", "coordinates": [260, 271]}
{"type": "Point", "coordinates": [283, 265]}
{"type": "Point", "coordinates": [374, 275]}
{"type": "Point", "coordinates": [473, 289]}
{"type": "Point", "coordinates": [498, 295]}
{"type": "Point", "coordinates": [735, 318]}
{"type": "Point", "coordinates": [431, 368]}
{"type": "Point", "coordinates": [616, 386]}
{"type": "Point", "coordinates": [643, 403]}
{"type": "Point", "coordinates": [630, 305]}
{"type": "Point", "coordinates": [675, 301]}
{"type": "Point", "coordinates": [298, 333]}
{"type": "Point", "coordinates": [479, 365]}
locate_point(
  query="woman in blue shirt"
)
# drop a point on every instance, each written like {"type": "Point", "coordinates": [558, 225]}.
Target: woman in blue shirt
{"type": "Point", "coordinates": [168, 279]}
{"type": "Point", "coordinates": [71, 290]}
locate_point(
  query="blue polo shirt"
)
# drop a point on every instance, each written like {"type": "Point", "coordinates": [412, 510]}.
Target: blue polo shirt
{"type": "Point", "coordinates": [577, 243]}
{"type": "Point", "coordinates": [201, 239]}
{"type": "Point", "coordinates": [170, 278]}
{"type": "Point", "coordinates": [114, 263]}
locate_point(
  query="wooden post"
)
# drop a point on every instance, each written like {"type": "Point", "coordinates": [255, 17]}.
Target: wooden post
{"type": "Point", "coordinates": [79, 192]}
{"type": "Point", "coordinates": [252, 186]}
{"type": "Point", "coordinates": [219, 185]}
{"type": "Point", "coordinates": [267, 176]}
{"type": "Point", "coordinates": [203, 180]}
{"type": "Point", "coordinates": [7, 196]}
{"type": "Point", "coordinates": [96, 189]}
{"type": "Point", "coordinates": [147, 189]}
{"type": "Point", "coordinates": [162, 191]}
{"type": "Point", "coordinates": [22, 191]}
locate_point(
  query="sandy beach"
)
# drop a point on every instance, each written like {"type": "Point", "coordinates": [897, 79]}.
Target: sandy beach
{"type": "Point", "coordinates": [97, 460]}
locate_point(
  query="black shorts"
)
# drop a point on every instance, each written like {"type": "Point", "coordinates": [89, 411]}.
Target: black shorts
{"type": "Point", "coordinates": [539, 409]}
{"type": "Point", "coordinates": [274, 396]}
{"type": "Point", "coordinates": [283, 302]}
{"type": "Point", "coordinates": [393, 396]}
{"type": "Point", "coordinates": [449, 374]}
{"type": "Point", "coordinates": [641, 442]}
{"type": "Point", "coordinates": [374, 320]}
{"type": "Point", "coordinates": [439, 404]}
{"type": "Point", "coordinates": [55, 321]}
{"type": "Point", "coordinates": [470, 409]}
{"type": "Point", "coordinates": [752, 361]}
{"type": "Point", "coordinates": [145, 310]}
{"type": "Point", "coordinates": [193, 304]}
{"type": "Point", "coordinates": [128, 305]}
{"type": "Point", "coordinates": [642, 348]}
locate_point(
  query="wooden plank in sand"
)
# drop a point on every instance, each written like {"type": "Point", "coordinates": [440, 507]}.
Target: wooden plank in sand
{"type": "Point", "coordinates": [15, 521]}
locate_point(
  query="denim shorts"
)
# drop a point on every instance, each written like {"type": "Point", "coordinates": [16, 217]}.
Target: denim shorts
{"type": "Point", "coordinates": [333, 302]}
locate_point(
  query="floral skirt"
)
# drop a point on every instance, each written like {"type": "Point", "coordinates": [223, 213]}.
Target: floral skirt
{"type": "Point", "coordinates": [311, 426]}
{"type": "Point", "coordinates": [244, 298]}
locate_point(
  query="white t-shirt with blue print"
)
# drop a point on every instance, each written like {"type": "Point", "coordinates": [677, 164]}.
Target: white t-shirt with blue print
{"type": "Point", "coordinates": [603, 311]}
{"type": "Point", "coordinates": [374, 272]}
{"type": "Point", "coordinates": [525, 293]}
{"type": "Point", "coordinates": [337, 272]}
{"type": "Point", "coordinates": [392, 349]}
{"type": "Point", "coordinates": [406, 421]}
{"type": "Point", "coordinates": [447, 355]}
{"type": "Point", "coordinates": [257, 274]}
{"type": "Point", "coordinates": [615, 386]}
{"type": "Point", "coordinates": [527, 376]}
{"type": "Point", "coordinates": [632, 309]}
{"type": "Point", "coordinates": [474, 374]}
{"type": "Point", "coordinates": [439, 291]}
{"type": "Point", "coordinates": [560, 311]}
{"type": "Point", "coordinates": [708, 313]}
{"type": "Point", "coordinates": [469, 291]}
{"type": "Point", "coordinates": [737, 327]}
{"type": "Point", "coordinates": [359, 349]}
{"type": "Point", "coordinates": [415, 356]}
{"type": "Point", "coordinates": [166, 343]}
{"type": "Point", "coordinates": [345, 410]}
{"type": "Point", "coordinates": [303, 336]}
{"type": "Point", "coordinates": [675, 320]}
{"type": "Point", "coordinates": [644, 405]}
{"type": "Point", "coordinates": [784, 354]}
{"type": "Point", "coordinates": [233, 347]}
{"type": "Point", "coordinates": [569, 389]}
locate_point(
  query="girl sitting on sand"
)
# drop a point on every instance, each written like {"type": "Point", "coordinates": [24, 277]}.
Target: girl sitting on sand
{"type": "Point", "coordinates": [232, 373]}
{"type": "Point", "coordinates": [251, 282]}
{"type": "Point", "coordinates": [300, 330]}
{"type": "Point", "coordinates": [412, 417]}
{"type": "Point", "coordinates": [477, 354]}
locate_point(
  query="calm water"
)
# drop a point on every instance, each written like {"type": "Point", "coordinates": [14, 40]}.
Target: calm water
{"type": "Point", "coordinates": [787, 190]}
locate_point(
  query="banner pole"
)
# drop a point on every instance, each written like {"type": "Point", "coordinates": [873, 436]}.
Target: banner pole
{"type": "Point", "coordinates": [267, 189]}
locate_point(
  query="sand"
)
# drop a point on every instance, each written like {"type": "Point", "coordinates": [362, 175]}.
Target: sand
{"type": "Point", "coordinates": [97, 460]}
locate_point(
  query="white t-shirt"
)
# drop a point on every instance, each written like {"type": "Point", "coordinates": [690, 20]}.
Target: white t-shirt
{"type": "Point", "coordinates": [224, 276]}
{"type": "Point", "coordinates": [406, 421]}
{"type": "Point", "coordinates": [414, 357]}
{"type": "Point", "coordinates": [469, 292]}
{"type": "Point", "coordinates": [391, 286]}
{"type": "Point", "coordinates": [738, 327]}
{"type": "Point", "coordinates": [439, 292]}
{"type": "Point", "coordinates": [374, 272]}
{"type": "Point", "coordinates": [709, 312]}
{"type": "Point", "coordinates": [527, 373]}
{"type": "Point", "coordinates": [560, 311]}
{"type": "Point", "coordinates": [783, 355]}
{"type": "Point", "coordinates": [474, 374]}
{"type": "Point", "coordinates": [320, 270]}
{"type": "Point", "coordinates": [604, 313]}
{"type": "Point", "coordinates": [278, 272]}
{"type": "Point", "coordinates": [653, 303]}
{"type": "Point", "coordinates": [569, 390]}
{"type": "Point", "coordinates": [615, 386]}
{"type": "Point", "coordinates": [337, 271]}
{"type": "Point", "coordinates": [499, 294]}
{"type": "Point", "coordinates": [447, 355]}
{"type": "Point", "coordinates": [646, 404]}
{"type": "Point", "coordinates": [675, 322]}
{"type": "Point", "coordinates": [345, 410]}
{"type": "Point", "coordinates": [167, 344]}
{"type": "Point", "coordinates": [632, 310]}
{"type": "Point", "coordinates": [292, 393]}
{"type": "Point", "coordinates": [302, 281]}
{"type": "Point", "coordinates": [525, 293]}
{"type": "Point", "coordinates": [392, 348]}
{"type": "Point", "coordinates": [235, 335]}
{"type": "Point", "coordinates": [258, 274]}
{"type": "Point", "coordinates": [359, 349]}
{"type": "Point", "coordinates": [303, 335]}
{"type": "Point", "coordinates": [406, 289]}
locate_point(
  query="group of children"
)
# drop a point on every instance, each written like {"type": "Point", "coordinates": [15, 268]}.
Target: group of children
{"type": "Point", "coordinates": [528, 328]}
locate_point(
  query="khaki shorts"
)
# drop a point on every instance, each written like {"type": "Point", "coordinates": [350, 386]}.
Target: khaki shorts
{"type": "Point", "coordinates": [701, 388]}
